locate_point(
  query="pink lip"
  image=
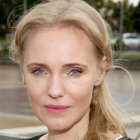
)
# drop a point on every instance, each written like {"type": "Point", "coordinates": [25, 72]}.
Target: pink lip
{"type": "Point", "coordinates": [56, 109]}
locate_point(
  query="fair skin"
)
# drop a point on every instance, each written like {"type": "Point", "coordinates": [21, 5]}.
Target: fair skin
{"type": "Point", "coordinates": [60, 68]}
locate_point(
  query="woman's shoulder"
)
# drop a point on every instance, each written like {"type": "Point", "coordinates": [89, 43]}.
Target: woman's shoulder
{"type": "Point", "coordinates": [116, 136]}
{"type": "Point", "coordinates": [39, 136]}
{"type": "Point", "coordinates": [125, 138]}
{"type": "Point", "coordinates": [35, 137]}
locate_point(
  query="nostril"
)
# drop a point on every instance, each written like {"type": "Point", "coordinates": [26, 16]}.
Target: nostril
{"type": "Point", "coordinates": [55, 93]}
{"type": "Point", "coordinates": [55, 87]}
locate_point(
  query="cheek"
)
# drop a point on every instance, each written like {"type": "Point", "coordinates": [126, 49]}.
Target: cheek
{"type": "Point", "coordinates": [81, 91]}
{"type": "Point", "coordinates": [35, 88]}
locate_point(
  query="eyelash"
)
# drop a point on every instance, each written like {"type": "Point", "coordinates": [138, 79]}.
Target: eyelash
{"type": "Point", "coordinates": [37, 70]}
{"type": "Point", "coordinates": [77, 70]}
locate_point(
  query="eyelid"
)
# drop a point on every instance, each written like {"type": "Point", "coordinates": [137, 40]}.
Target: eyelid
{"type": "Point", "coordinates": [35, 69]}
{"type": "Point", "coordinates": [76, 68]}
{"type": "Point", "coordinates": [79, 70]}
{"type": "Point", "coordinates": [38, 69]}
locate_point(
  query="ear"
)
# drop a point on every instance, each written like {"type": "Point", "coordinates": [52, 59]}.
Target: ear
{"type": "Point", "coordinates": [102, 72]}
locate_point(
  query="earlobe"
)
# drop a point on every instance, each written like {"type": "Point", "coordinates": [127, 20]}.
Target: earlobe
{"type": "Point", "coordinates": [103, 72]}
{"type": "Point", "coordinates": [100, 79]}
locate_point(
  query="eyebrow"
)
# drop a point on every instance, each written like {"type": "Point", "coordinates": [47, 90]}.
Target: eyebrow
{"type": "Point", "coordinates": [38, 64]}
{"type": "Point", "coordinates": [65, 66]}
{"type": "Point", "coordinates": [74, 65]}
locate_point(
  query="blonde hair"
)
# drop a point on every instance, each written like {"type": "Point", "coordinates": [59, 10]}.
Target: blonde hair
{"type": "Point", "coordinates": [103, 117]}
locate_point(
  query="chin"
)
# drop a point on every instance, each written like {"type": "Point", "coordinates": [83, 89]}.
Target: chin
{"type": "Point", "coordinates": [58, 125]}
{"type": "Point", "coordinates": [55, 122]}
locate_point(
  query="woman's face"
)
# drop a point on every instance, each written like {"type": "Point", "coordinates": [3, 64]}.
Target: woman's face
{"type": "Point", "coordinates": [60, 71]}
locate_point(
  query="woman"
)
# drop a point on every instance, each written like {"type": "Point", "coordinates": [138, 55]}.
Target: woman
{"type": "Point", "coordinates": [63, 48]}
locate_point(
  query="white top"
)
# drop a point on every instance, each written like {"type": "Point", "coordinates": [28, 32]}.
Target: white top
{"type": "Point", "coordinates": [118, 137]}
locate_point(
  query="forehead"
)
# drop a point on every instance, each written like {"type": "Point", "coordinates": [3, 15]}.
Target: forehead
{"type": "Point", "coordinates": [67, 42]}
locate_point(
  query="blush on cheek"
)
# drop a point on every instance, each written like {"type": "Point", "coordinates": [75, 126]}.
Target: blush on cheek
{"type": "Point", "coordinates": [34, 91]}
{"type": "Point", "coordinates": [82, 90]}
{"type": "Point", "coordinates": [35, 86]}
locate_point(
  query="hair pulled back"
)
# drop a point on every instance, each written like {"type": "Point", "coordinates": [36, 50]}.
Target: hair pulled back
{"type": "Point", "coordinates": [103, 117]}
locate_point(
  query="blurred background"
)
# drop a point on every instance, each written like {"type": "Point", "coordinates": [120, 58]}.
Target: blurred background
{"type": "Point", "coordinates": [123, 18]}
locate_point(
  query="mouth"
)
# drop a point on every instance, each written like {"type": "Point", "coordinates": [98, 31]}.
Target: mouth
{"type": "Point", "coordinates": [56, 109]}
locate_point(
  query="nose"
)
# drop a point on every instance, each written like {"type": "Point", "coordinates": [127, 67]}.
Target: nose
{"type": "Point", "coordinates": [55, 88]}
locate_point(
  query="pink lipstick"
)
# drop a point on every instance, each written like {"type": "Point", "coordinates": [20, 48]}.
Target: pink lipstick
{"type": "Point", "coordinates": [57, 109]}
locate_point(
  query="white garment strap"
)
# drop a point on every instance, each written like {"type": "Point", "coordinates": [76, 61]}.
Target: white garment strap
{"type": "Point", "coordinates": [118, 137]}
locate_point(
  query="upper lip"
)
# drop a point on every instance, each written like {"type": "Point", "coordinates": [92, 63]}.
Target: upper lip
{"type": "Point", "coordinates": [57, 106]}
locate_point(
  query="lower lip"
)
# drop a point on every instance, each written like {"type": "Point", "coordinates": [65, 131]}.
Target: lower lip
{"type": "Point", "coordinates": [56, 110]}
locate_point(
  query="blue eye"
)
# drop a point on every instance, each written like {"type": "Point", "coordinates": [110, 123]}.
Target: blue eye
{"type": "Point", "coordinates": [75, 72]}
{"type": "Point", "coordinates": [39, 72]}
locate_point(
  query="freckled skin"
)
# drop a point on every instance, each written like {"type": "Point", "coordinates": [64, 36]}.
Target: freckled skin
{"type": "Point", "coordinates": [57, 47]}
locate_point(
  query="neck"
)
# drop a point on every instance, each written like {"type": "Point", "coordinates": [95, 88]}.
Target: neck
{"type": "Point", "coordinates": [76, 132]}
